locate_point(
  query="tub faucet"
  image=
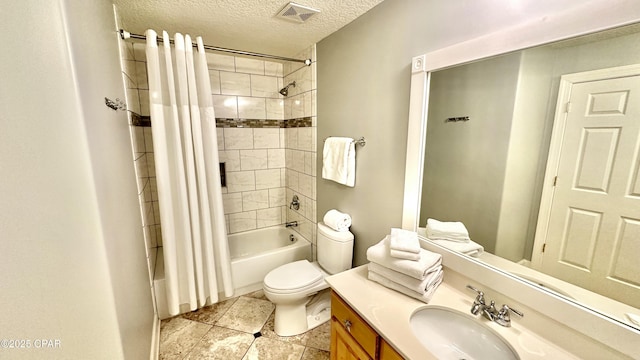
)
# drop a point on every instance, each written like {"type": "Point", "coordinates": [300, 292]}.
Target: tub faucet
{"type": "Point", "coordinates": [291, 224]}
{"type": "Point", "coordinates": [295, 203]}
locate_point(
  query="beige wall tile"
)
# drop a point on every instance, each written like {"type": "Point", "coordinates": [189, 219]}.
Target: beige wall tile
{"type": "Point", "coordinates": [264, 86]}
{"type": "Point", "coordinates": [249, 66]}
{"type": "Point", "coordinates": [238, 138]}
{"type": "Point", "coordinates": [225, 106]}
{"type": "Point", "coordinates": [235, 84]}
{"type": "Point", "coordinates": [251, 108]}
{"type": "Point", "coordinates": [266, 138]}
{"type": "Point", "coordinates": [253, 159]}
{"type": "Point", "coordinates": [220, 62]}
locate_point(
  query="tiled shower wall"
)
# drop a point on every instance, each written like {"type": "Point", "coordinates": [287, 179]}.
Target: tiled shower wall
{"type": "Point", "coordinates": [267, 141]}
{"type": "Point", "coordinates": [300, 148]}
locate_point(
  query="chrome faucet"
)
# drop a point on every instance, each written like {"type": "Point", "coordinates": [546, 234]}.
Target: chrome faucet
{"type": "Point", "coordinates": [479, 303]}
{"type": "Point", "coordinates": [502, 316]}
{"type": "Point", "coordinates": [291, 224]}
{"type": "Point", "coordinates": [490, 312]}
{"type": "Point", "coordinates": [295, 203]}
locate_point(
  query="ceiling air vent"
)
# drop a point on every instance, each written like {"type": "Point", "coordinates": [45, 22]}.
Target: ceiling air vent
{"type": "Point", "coordinates": [296, 12]}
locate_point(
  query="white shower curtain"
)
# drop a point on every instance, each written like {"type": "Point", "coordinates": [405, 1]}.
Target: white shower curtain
{"type": "Point", "coordinates": [195, 247]}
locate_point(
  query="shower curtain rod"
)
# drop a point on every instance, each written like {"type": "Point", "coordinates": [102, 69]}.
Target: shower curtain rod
{"type": "Point", "coordinates": [127, 35]}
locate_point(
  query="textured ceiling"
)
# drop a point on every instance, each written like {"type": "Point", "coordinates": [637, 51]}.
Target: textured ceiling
{"type": "Point", "coordinates": [249, 25]}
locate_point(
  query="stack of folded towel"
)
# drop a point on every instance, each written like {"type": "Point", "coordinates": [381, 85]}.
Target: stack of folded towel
{"type": "Point", "coordinates": [452, 235]}
{"type": "Point", "coordinates": [398, 262]}
{"type": "Point", "coordinates": [404, 244]}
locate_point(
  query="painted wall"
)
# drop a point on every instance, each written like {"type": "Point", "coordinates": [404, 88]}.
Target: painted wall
{"type": "Point", "coordinates": [73, 259]}
{"type": "Point", "coordinates": [466, 161]}
{"type": "Point", "coordinates": [526, 153]}
{"type": "Point", "coordinates": [363, 90]}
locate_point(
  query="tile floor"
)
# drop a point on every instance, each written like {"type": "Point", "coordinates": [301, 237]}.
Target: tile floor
{"type": "Point", "coordinates": [226, 331]}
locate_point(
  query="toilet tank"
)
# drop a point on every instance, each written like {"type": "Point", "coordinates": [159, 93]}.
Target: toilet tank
{"type": "Point", "coordinates": [335, 249]}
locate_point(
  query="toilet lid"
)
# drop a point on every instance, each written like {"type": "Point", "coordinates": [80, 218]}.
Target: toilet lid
{"type": "Point", "coordinates": [292, 276]}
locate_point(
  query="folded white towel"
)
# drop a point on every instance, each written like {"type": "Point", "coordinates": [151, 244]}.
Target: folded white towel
{"type": "Point", "coordinates": [451, 230]}
{"type": "Point", "coordinates": [419, 286]}
{"type": "Point", "coordinates": [399, 254]}
{"type": "Point", "coordinates": [404, 240]}
{"type": "Point", "coordinates": [380, 254]}
{"type": "Point", "coordinates": [339, 160]}
{"type": "Point", "coordinates": [470, 248]}
{"type": "Point", "coordinates": [426, 297]}
{"type": "Point", "coordinates": [337, 220]}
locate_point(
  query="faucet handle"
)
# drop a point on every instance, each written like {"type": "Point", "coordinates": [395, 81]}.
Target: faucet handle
{"type": "Point", "coordinates": [478, 303]}
{"type": "Point", "coordinates": [503, 318]}
{"type": "Point", "coordinates": [505, 310]}
{"type": "Point", "coordinates": [480, 293]}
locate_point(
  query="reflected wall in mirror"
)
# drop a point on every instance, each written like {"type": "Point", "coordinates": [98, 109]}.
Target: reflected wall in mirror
{"type": "Point", "coordinates": [489, 172]}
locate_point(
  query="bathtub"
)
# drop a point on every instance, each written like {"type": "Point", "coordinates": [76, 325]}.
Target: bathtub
{"type": "Point", "coordinates": [253, 254]}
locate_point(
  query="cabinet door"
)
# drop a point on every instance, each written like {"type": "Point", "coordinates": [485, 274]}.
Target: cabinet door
{"type": "Point", "coordinates": [388, 353]}
{"type": "Point", "coordinates": [343, 346]}
{"type": "Point", "coordinates": [353, 324]}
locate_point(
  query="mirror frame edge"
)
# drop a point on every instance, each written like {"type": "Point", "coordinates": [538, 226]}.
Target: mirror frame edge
{"type": "Point", "coordinates": [587, 321]}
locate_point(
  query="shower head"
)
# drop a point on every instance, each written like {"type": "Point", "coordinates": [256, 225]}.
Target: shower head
{"type": "Point", "coordinates": [285, 90]}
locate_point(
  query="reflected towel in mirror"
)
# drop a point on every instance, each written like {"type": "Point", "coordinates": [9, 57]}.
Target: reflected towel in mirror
{"type": "Point", "coordinates": [470, 248]}
{"type": "Point", "coordinates": [447, 230]}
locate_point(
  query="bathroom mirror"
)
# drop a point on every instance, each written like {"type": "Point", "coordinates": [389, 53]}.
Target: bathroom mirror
{"type": "Point", "coordinates": [490, 137]}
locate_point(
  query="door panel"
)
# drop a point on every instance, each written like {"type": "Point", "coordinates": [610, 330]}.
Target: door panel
{"type": "Point", "coordinates": [593, 236]}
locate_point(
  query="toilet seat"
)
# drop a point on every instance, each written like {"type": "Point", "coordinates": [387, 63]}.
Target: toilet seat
{"type": "Point", "coordinates": [293, 277]}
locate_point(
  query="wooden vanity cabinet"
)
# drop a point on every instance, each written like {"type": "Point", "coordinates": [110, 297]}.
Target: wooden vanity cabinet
{"type": "Point", "coordinates": [352, 338]}
{"type": "Point", "coordinates": [387, 352]}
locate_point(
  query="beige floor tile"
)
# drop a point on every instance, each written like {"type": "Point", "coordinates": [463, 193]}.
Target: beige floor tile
{"type": "Point", "coordinates": [259, 294]}
{"type": "Point", "coordinates": [267, 331]}
{"type": "Point", "coordinates": [178, 336]}
{"type": "Point", "coordinates": [221, 344]}
{"type": "Point", "coordinates": [315, 354]}
{"type": "Point", "coordinates": [247, 314]}
{"type": "Point", "coordinates": [210, 314]}
{"type": "Point", "coordinates": [271, 349]}
{"type": "Point", "coordinates": [320, 337]}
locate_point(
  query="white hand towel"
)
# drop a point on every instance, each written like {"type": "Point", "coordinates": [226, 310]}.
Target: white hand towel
{"type": "Point", "coordinates": [339, 160]}
{"type": "Point", "coordinates": [380, 254]}
{"type": "Point", "coordinates": [470, 248]}
{"type": "Point", "coordinates": [451, 230]}
{"type": "Point", "coordinates": [404, 240]}
{"type": "Point", "coordinates": [419, 286]}
{"type": "Point", "coordinates": [337, 220]}
{"type": "Point", "coordinates": [426, 297]}
{"type": "Point", "coordinates": [399, 254]}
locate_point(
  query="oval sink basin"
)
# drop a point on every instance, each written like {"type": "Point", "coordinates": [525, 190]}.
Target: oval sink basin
{"type": "Point", "coordinates": [450, 334]}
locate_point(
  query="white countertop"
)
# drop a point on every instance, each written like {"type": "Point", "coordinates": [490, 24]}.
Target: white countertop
{"type": "Point", "coordinates": [388, 312]}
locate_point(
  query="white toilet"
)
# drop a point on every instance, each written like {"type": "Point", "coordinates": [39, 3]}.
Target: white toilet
{"type": "Point", "coordinates": [297, 288]}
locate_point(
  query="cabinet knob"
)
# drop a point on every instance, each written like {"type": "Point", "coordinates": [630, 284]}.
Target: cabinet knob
{"type": "Point", "coordinates": [347, 325]}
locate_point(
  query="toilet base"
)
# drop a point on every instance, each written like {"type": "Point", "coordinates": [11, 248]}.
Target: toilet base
{"type": "Point", "coordinates": [294, 319]}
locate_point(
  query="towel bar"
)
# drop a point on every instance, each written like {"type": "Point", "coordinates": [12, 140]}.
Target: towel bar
{"type": "Point", "coordinates": [361, 141]}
